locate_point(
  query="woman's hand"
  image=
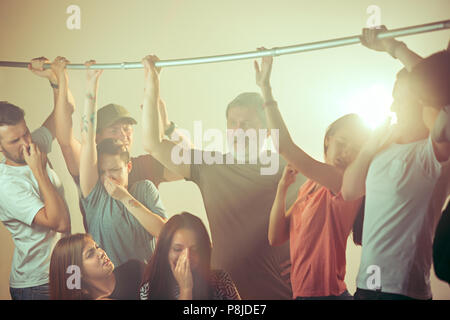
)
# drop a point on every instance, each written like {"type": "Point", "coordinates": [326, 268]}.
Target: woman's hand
{"type": "Point", "coordinates": [288, 177]}
{"type": "Point", "coordinates": [183, 274]}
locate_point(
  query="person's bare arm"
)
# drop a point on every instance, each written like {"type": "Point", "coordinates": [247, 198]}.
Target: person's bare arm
{"type": "Point", "coordinates": [54, 214]}
{"type": "Point", "coordinates": [322, 173]}
{"type": "Point", "coordinates": [88, 157]}
{"type": "Point", "coordinates": [397, 49]}
{"type": "Point", "coordinates": [279, 221]}
{"type": "Point", "coordinates": [60, 121]}
{"type": "Point", "coordinates": [64, 108]}
{"type": "Point", "coordinates": [36, 66]}
{"type": "Point", "coordinates": [159, 148]}
{"type": "Point", "coordinates": [176, 137]}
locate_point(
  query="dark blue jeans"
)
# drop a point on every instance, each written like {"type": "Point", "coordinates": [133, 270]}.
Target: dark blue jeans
{"type": "Point", "coordinates": [31, 293]}
{"type": "Point", "coordinates": [344, 296]}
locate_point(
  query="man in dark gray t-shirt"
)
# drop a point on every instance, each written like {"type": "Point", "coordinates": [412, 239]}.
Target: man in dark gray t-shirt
{"type": "Point", "coordinates": [237, 197]}
{"type": "Point", "coordinates": [238, 200]}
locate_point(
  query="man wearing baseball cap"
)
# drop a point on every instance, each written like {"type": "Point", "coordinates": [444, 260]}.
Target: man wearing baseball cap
{"type": "Point", "coordinates": [113, 121]}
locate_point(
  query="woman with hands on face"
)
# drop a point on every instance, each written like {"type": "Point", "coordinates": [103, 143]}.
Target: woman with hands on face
{"type": "Point", "coordinates": [180, 267]}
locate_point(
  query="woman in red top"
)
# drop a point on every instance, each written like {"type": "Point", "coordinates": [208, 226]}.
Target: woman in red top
{"type": "Point", "coordinates": [320, 221]}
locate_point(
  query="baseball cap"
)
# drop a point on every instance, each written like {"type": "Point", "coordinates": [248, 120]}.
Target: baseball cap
{"type": "Point", "coordinates": [110, 114]}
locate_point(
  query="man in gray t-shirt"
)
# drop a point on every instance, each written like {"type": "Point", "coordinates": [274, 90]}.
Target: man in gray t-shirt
{"type": "Point", "coordinates": [238, 200]}
{"type": "Point", "coordinates": [32, 205]}
{"type": "Point", "coordinates": [237, 197]}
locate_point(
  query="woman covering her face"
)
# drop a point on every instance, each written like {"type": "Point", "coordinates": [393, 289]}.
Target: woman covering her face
{"type": "Point", "coordinates": [180, 267]}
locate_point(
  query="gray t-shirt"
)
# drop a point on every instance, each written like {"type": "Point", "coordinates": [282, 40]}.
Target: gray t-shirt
{"type": "Point", "coordinates": [20, 201]}
{"type": "Point", "coordinates": [115, 229]}
{"type": "Point", "coordinates": [397, 239]}
{"type": "Point", "coordinates": [238, 200]}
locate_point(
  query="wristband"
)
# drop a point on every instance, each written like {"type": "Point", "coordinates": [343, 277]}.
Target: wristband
{"type": "Point", "coordinates": [170, 129]}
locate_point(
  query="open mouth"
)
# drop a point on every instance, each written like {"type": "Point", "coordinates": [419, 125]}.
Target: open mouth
{"type": "Point", "coordinates": [106, 262]}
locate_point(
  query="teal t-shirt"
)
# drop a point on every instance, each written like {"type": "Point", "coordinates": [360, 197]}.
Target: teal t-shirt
{"type": "Point", "coordinates": [115, 229]}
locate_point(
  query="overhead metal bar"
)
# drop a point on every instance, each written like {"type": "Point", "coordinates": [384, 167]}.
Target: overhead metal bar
{"type": "Point", "coordinates": [401, 32]}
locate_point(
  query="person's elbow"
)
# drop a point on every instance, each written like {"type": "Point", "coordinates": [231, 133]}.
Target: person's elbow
{"type": "Point", "coordinates": [275, 240]}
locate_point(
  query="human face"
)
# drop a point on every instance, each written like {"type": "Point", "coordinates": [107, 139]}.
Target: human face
{"type": "Point", "coordinates": [112, 166]}
{"type": "Point", "coordinates": [121, 130]}
{"type": "Point", "coordinates": [343, 147]}
{"type": "Point", "coordinates": [96, 264]}
{"type": "Point", "coordinates": [245, 118]}
{"type": "Point", "coordinates": [183, 239]}
{"type": "Point", "coordinates": [12, 141]}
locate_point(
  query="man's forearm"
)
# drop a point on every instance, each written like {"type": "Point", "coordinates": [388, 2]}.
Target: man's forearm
{"type": "Point", "coordinates": [64, 108]}
{"type": "Point", "coordinates": [151, 122]}
{"type": "Point", "coordinates": [55, 208]}
{"type": "Point", "coordinates": [408, 57]}
{"type": "Point", "coordinates": [275, 120]}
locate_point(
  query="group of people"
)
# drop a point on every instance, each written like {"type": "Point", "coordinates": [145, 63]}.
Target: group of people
{"type": "Point", "coordinates": [281, 236]}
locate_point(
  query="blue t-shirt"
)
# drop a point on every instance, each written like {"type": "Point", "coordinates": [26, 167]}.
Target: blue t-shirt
{"type": "Point", "coordinates": [115, 229]}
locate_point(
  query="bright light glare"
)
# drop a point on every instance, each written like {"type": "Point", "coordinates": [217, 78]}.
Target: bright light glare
{"type": "Point", "coordinates": [372, 105]}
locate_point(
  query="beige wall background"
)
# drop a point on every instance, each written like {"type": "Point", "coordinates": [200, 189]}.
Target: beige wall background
{"type": "Point", "coordinates": [312, 89]}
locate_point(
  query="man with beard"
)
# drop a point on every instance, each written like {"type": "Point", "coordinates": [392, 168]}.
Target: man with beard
{"type": "Point", "coordinates": [32, 205]}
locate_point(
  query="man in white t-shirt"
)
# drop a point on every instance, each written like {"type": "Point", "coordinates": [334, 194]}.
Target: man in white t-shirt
{"type": "Point", "coordinates": [32, 205]}
{"type": "Point", "coordinates": [398, 171]}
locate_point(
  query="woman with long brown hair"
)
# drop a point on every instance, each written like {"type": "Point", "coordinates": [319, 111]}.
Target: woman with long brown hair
{"type": "Point", "coordinates": [80, 270]}
{"type": "Point", "coordinates": [180, 267]}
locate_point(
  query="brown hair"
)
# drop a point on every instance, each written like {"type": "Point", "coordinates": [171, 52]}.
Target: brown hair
{"type": "Point", "coordinates": [249, 99]}
{"type": "Point", "coordinates": [351, 120]}
{"type": "Point", "coordinates": [10, 114]}
{"type": "Point", "coordinates": [158, 272]}
{"type": "Point", "coordinates": [67, 252]}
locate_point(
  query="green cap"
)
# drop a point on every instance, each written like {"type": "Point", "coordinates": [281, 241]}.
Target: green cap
{"type": "Point", "coordinates": [110, 114]}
